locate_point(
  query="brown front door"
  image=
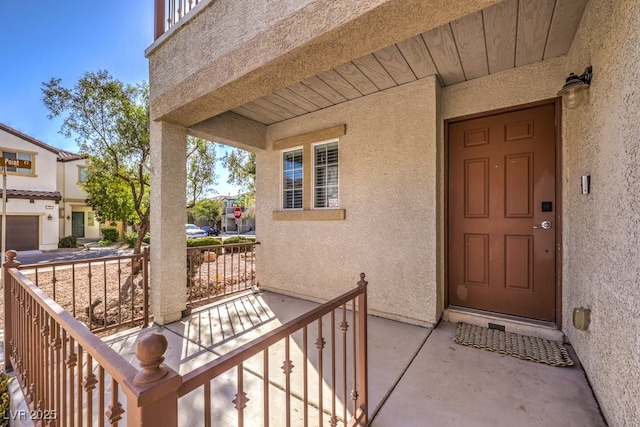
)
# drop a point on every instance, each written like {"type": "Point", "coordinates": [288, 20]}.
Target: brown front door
{"type": "Point", "coordinates": [502, 187]}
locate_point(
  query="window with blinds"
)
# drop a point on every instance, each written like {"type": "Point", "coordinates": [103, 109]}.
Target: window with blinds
{"type": "Point", "coordinates": [325, 180]}
{"type": "Point", "coordinates": [292, 171]}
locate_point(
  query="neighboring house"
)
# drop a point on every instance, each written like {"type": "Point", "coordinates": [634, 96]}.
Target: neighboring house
{"type": "Point", "coordinates": [79, 219]}
{"type": "Point", "coordinates": [228, 222]}
{"type": "Point", "coordinates": [446, 111]}
{"type": "Point", "coordinates": [44, 203]}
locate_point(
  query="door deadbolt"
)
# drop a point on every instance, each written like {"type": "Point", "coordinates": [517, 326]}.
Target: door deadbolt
{"type": "Point", "coordinates": [544, 225]}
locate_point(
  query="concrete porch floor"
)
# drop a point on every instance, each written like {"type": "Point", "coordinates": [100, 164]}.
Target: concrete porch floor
{"type": "Point", "coordinates": [417, 376]}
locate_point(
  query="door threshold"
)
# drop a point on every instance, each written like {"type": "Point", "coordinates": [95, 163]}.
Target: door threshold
{"type": "Point", "coordinates": [514, 324]}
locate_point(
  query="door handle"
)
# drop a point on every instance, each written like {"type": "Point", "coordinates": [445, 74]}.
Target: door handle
{"type": "Point", "coordinates": [544, 225]}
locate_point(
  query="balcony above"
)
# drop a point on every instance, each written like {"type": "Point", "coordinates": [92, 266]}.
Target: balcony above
{"type": "Point", "coordinates": [271, 61]}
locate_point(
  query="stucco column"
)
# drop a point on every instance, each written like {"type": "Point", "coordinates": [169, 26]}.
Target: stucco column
{"type": "Point", "coordinates": [168, 216]}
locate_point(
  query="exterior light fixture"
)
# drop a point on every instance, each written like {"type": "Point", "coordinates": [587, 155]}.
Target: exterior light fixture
{"type": "Point", "coordinates": [68, 217]}
{"type": "Point", "coordinates": [49, 217]}
{"type": "Point", "coordinates": [572, 91]}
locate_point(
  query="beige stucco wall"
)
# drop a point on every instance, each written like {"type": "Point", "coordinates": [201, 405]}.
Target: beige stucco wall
{"type": "Point", "coordinates": [44, 162]}
{"type": "Point", "coordinates": [90, 231]}
{"type": "Point", "coordinates": [73, 197]}
{"type": "Point", "coordinates": [601, 268]}
{"type": "Point", "coordinates": [388, 189]}
{"type": "Point", "coordinates": [167, 289]}
{"type": "Point", "coordinates": [600, 230]}
{"type": "Point", "coordinates": [392, 178]}
{"type": "Point", "coordinates": [72, 188]}
{"type": "Point", "coordinates": [235, 51]}
{"type": "Point", "coordinates": [44, 179]}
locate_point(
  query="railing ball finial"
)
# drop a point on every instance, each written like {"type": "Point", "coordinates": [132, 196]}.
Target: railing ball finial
{"type": "Point", "coordinates": [362, 283]}
{"type": "Point", "coordinates": [149, 352]}
{"type": "Point", "coordinates": [10, 258]}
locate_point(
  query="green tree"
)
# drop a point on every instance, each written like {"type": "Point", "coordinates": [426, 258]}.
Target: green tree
{"type": "Point", "coordinates": [111, 123]}
{"type": "Point", "coordinates": [109, 196]}
{"type": "Point", "coordinates": [201, 161]}
{"type": "Point", "coordinates": [241, 165]}
{"type": "Point", "coordinates": [205, 210]}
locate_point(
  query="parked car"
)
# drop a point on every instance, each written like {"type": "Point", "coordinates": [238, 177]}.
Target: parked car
{"type": "Point", "coordinates": [193, 231]}
{"type": "Point", "coordinates": [211, 231]}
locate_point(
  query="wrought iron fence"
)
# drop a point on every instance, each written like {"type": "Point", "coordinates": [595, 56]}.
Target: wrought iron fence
{"type": "Point", "coordinates": [103, 293]}
{"type": "Point", "coordinates": [309, 371]}
{"type": "Point", "coordinates": [219, 271]}
{"type": "Point", "coordinates": [68, 375]}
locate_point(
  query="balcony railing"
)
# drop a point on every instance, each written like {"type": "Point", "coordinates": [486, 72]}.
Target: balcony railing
{"type": "Point", "coordinates": [103, 293]}
{"type": "Point", "coordinates": [218, 271]}
{"type": "Point", "coordinates": [70, 377]}
{"type": "Point", "coordinates": [169, 12]}
{"type": "Point", "coordinates": [309, 371]}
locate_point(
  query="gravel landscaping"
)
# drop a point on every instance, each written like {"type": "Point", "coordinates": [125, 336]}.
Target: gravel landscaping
{"type": "Point", "coordinates": [103, 294]}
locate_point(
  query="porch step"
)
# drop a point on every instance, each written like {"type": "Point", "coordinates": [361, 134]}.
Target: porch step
{"type": "Point", "coordinates": [518, 325]}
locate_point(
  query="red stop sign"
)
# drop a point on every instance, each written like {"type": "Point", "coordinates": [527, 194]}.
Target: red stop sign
{"type": "Point", "coordinates": [237, 212]}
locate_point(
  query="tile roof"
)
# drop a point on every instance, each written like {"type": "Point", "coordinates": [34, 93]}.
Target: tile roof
{"type": "Point", "coordinates": [33, 194]}
{"type": "Point", "coordinates": [63, 155]}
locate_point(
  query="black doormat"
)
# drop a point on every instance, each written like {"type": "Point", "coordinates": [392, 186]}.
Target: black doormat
{"type": "Point", "coordinates": [521, 346]}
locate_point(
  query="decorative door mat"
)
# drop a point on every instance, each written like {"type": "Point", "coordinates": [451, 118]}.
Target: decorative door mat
{"type": "Point", "coordinates": [521, 346]}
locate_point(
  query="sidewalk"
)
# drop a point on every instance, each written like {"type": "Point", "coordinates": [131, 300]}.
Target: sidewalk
{"type": "Point", "coordinates": [92, 250]}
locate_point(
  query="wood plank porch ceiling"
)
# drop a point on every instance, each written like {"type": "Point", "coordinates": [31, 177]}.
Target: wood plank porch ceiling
{"type": "Point", "coordinates": [500, 37]}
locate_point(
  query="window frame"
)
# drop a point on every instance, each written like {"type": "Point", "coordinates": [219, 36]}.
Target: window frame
{"type": "Point", "coordinates": [80, 169]}
{"type": "Point", "coordinates": [315, 169]}
{"type": "Point", "coordinates": [282, 178]}
{"type": "Point", "coordinates": [306, 140]}
{"type": "Point", "coordinates": [31, 172]}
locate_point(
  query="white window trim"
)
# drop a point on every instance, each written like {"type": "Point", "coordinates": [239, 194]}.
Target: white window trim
{"type": "Point", "coordinates": [313, 174]}
{"type": "Point", "coordinates": [17, 151]}
{"type": "Point", "coordinates": [282, 153]}
{"type": "Point", "coordinates": [305, 140]}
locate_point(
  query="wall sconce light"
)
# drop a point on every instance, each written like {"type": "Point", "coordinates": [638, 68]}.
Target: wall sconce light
{"type": "Point", "coordinates": [49, 217]}
{"type": "Point", "coordinates": [68, 217]}
{"type": "Point", "coordinates": [574, 86]}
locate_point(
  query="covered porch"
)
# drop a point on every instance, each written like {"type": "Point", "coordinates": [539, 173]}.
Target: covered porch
{"type": "Point", "coordinates": [388, 81]}
{"type": "Point", "coordinates": [417, 376]}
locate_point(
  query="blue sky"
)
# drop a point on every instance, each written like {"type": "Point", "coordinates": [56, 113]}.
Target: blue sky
{"type": "Point", "coordinates": [42, 39]}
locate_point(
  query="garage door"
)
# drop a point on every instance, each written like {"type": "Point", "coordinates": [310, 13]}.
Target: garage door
{"type": "Point", "coordinates": [22, 232]}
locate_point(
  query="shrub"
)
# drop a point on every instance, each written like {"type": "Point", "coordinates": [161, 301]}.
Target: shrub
{"type": "Point", "coordinates": [68, 242]}
{"type": "Point", "coordinates": [204, 241]}
{"type": "Point", "coordinates": [130, 238]}
{"type": "Point", "coordinates": [147, 238]}
{"type": "Point", "coordinates": [4, 400]}
{"type": "Point", "coordinates": [195, 258]}
{"type": "Point", "coordinates": [239, 239]}
{"type": "Point", "coordinates": [105, 242]}
{"type": "Point", "coordinates": [110, 233]}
